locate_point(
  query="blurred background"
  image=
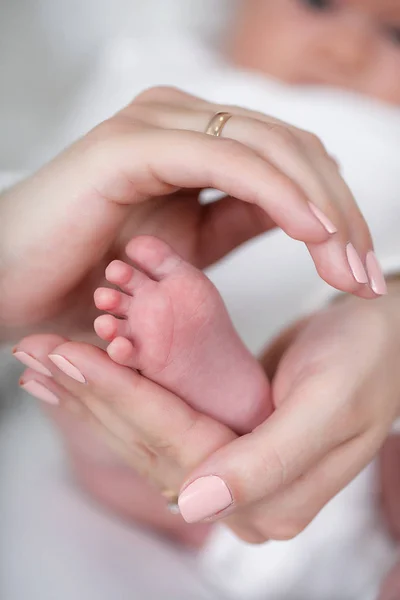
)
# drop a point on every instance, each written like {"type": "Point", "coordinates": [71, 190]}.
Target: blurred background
{"type": "Point", "coordinates": [48, 48]}
{"type": "Point", "coordinates": [63, 68]}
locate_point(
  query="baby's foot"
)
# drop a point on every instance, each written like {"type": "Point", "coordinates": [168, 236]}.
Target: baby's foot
{"type": "Point", "coordinates": [173, 326]}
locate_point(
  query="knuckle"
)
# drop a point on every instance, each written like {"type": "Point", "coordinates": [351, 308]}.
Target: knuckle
{"type": "Point", "coordinates": [290, 191]}
{"type": "Point", "coordinates": [156, 94]}
{"type": "Point", "coordinates": [144, 454]}
{"type": "Point", "coordinates": [284, 135]}
{"type": "Point", "coordinates": [333, 162]}
{"type": "Point", "coordinates": [278, 526]}
{"type": "Point", "coordinates": [225, 151]}
{"type": "Point", "coordinates": [247, 528]}
{"type": "Point", "coordinates": [292, 231]}
{"type": "Point", "coordinates": [253, 536]}
{"type": "Point", "coordinates": [228, 145]}
{"type": "Point", "coordinates": [144, 113]}
{"type": "Point", "coordinates": [107, 131]}
{"type": "Point", "coordinates": [274, 467]}
{"type": "Point", "coordinates": [177, 447]}
{"type": "Point", "coordinates": [312, 141]}
{"type": "Point", "coordinates": [287, 529]}
{"type": "Point", "coordinates": [108, 140]}
{"type": "Point", "coordinates": [102, 131]}
{"type": "Point", "coordinates": [348, 421]}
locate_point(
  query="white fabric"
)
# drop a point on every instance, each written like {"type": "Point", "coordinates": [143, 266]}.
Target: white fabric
{"type": "Point", "coordinates": [44, 520]}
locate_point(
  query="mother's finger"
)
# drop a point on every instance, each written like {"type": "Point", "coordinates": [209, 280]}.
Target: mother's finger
{"type": "Point", "coordinates": [289, 512]}
{"type": "Point", "coordinates": [55, 389]}
{"type": "Point", "coordinates": [259, 465]}
{"type": "Point", "coordinates": [157, 161]}
{"type": "Point", "coordinates": [325, 167]}
{"type": "Point", "coordinates": [273, 142]}
{"type": "Point", "coordinates": [127, 404]}
{"type": "Point", "coordinates": [58, 398]}
{"type": "Point", "coordinates": [297, 156]}
{"type": "Point", "coordinates": [359, 236]}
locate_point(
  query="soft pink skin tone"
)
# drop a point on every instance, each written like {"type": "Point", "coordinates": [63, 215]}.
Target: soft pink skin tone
{"type": "Point", "coordinates": [353, 44]}
{"type": "Point", "coordinates": [345, 358]}
{"type": "Point", "coordinates": [116, 476]}
{"type": "Point", "coordinates": [113, 483]}
{"type": "Point", "coordinates": [35, 388]}
{"type": "Point", "coordinates": [134, 177]}
{"type": "Point", "coordinates": [391, 585]}
{"type": "Point", "coordinates": [176, 330]}
{"type": "Point", "coordinates": [390, 494]}
{"type": "Point", "coordinates": [140, 173]}
{"type": "Point", "coordinates": [335, 387]}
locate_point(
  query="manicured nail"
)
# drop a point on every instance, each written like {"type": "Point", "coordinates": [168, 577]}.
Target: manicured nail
{"type": "Point", "coordinates": [322, 218]}
{"type": "Point", "coordinates": [204, 498]}
{"type": "Point", "coordinates": [31, 362]}
{"type": "Point", "coordinates": [41, 392]}
{"type": "Point", "coordinates": [356, 265]}
{"type": "Point", "coordinates": [66, 367]}
{"type": "Point", "coordinates": [376, 277]}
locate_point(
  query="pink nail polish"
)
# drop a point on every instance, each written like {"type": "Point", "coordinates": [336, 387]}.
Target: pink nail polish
{"type": "Point", "coordinates": [67, 368]}
{"type": "Point", "coordinates": [356, 265]}
{"type": "Point", "coordinates": [204, 498]}
{"type": "Point", "coordinates": [322, 218]}
{"type": "Point", "coordinates": [376, 277]}
{"type": "Point", "coordinates": [41, 392]}
{"type": "Point", "coordinates": [31, 362]}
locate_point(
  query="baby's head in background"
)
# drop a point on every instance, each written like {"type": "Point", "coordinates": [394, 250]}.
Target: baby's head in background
{"type": "Point", "coordinates": [352, 44]}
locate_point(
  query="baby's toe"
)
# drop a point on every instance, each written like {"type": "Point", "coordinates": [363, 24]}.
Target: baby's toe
{"type": "Point", "coordinates": [122, 351]}
{"type": "Point", "coordinates": [153, 256]}
{"type": "Point", "coordinates": [112, 301]}
{"type": "Point", "coordinates": [108, 327]}
{"type": "Point", "coordinates": [125, 276]}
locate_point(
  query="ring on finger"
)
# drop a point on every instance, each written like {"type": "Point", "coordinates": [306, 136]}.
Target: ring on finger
{"type": "Point", "coordinates": [217, 123]}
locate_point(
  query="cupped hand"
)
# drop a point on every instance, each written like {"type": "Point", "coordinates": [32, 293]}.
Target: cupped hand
{"type": "Point", "coordinates": [336, 381]}
{"type": "Point", "coordinates": [141, 172]}
{"type": "Point", "coordinates": [335, 385]}
{"type": "Point", "coordinates": [148, 427]}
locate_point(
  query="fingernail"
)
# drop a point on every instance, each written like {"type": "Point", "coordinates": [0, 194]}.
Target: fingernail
{"type": "Point", "coordinates": [356, 265]}
{"type": "Point", "coordinates": [41, 392]}
{"type": "Point", "coordinates": [204, 498]}
{"type": "Point", "coordinates": [31, 362]}
{"type": "Point", "coordinates": [376, 277]}
{"type": "Point", "coordinates": [322, 218]}
{"type": "Point", "coordinates": [67, 368]}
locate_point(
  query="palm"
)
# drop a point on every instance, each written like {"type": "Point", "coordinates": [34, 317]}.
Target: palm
{"type": "Point", "coordinates": [321, 346]}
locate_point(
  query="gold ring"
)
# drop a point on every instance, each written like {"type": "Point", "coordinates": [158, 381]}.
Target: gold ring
{"type": "Point", "coordinates": [217, 123]}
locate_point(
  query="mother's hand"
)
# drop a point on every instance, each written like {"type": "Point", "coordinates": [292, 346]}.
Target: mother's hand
{"type": "Point", "coordinates": [336, 380]}
{"type": "Point", "coordinates": [151, 429]}
{"type": "Point", "coordinates": [59, 228]}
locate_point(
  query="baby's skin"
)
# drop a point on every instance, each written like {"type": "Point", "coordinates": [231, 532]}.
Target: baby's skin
{"type": "Point", "coordinates": [173, 326]}
{"type": "Point", "coordinates": [351, 44]}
